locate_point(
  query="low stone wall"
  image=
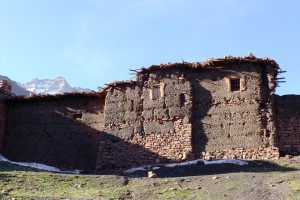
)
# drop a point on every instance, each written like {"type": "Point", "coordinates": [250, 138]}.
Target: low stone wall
{"type": "Point", "coordinates": [146, 149]}
{"type": "Point", "coordinates": [288, 124]}
{"type": "Point", "coordinates": [242, 153]}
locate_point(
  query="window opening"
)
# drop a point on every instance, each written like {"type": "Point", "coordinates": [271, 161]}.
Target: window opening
{"type": "Point", "coordinates": [181, 100]}
{"type": "Point", "coordinates": [131, 105]}
{"type": "Point", "coordinates": [155, 92]}
{"type": "Point", "coordinates": [235, 84]}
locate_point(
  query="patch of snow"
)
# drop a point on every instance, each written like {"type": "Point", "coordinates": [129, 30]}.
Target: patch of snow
{"type": "Point", "coordinates": [131, 170]}
{"type": "Point", "coordinates": [192, 162]}
{"type": "Point", "coordinates": [226, 161]}
{"type": "Point", "coordinates": [3, 159]}
{"type": "Point", "coordinates": [39, 166]}
{"type": "Point", "coordinates": [51, 86]}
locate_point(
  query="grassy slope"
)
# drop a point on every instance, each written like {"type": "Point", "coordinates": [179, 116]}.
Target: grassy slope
{"type": "Point", "coordinates": [24, 183]}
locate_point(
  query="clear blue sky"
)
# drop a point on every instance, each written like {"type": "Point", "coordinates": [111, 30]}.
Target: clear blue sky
{"type": "Point", "coordinates": [92, 42]}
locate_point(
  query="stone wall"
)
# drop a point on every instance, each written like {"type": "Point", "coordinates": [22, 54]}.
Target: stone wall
{"type": "Point", "coordinates": [195, 114]}
{"type": "Point", "coordinates": [61, 131]}
{"type": "Point", "coordinates": [228, 123]}
{"type": "Point", "coordinates": [4, 94]}
{"type": "Point", "coordinates": [288, 124]}
{"type": "Point", "coordinates": [171, 113]}
{"type": "Point", "coordinates": [2, 121]}
{"type": "Point", "coordinates": [142, 129]}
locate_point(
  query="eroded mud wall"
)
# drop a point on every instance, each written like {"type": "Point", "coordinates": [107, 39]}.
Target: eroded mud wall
{"type": "Point", "coordinates": [60, 131]}
{"type": "Point", "coordinates": [233, 124]}
{"type": "Point", "coordinates": [288, 123]}
{"type": "Point", "coordinates": [2, 120]}
{"type": "Point", "coordinates": [143, 128]}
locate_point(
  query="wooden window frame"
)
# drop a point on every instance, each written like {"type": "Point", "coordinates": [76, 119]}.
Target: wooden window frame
{"type": "Point", "coordinates": [235, 85]}
{"type": "Point", "coordinates": [230, 79]}
{"type": "Point", "coordinates": [155, 92]}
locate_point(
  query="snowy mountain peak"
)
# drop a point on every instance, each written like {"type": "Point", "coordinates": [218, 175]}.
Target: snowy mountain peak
{"type": "Point", "coordinates": [58, 85]}
{"type": "Point", "coordinates": [16, 87]}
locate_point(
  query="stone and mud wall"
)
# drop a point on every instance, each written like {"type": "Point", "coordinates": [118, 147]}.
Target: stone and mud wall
{"type": "Point", "coordinates": [166, 115]}
{"type": "Point", "coordinates": [288, 124]}
{"type": "Point", "coordinates": [233, 124]}
{"type": "Point", "coordinates": [5, 93]}
{"type": "Point", "coordinates": [147, 122]}
{"type": "Point", "coordinates": [61, 131]}
{"type": "Point", "coordinates": [2, 121]}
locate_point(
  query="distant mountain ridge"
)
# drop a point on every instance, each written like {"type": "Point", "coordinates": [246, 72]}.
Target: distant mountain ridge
{"type": "Point", "coordinates": [17, 89]}
{"type": "Point", "coordinates": [58, 85]}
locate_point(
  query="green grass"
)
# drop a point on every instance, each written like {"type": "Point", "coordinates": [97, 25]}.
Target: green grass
{"type": "Point", "coordinates": [25, 183]}
{"type": "Point", "coordinates": [295, 189]}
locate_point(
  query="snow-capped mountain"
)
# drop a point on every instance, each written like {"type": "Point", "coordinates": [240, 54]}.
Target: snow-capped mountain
{"type": "Point", "coordinates": [51, 86]}
{"type": "Point", "coordinates": [17, 89]}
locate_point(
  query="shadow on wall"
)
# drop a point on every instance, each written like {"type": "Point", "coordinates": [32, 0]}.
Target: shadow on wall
{"type": "Point", "coordinates": [47, 132]}
{"type": "Point", "coordinates": [202, 99]}
{"type": "Point", "coordinates": [115, 152]}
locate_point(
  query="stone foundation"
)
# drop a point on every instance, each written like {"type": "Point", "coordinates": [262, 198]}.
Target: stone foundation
{"type": "Point", "coordinates": [146, 149]}
{"type": "Point", "coordinates": [288, 124]}
{"type": "Point", "coordinates": [242, 153]}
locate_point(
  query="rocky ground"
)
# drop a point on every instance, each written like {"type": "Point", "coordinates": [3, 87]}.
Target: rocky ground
{"type": "Point", "coordinates": [279, 179]}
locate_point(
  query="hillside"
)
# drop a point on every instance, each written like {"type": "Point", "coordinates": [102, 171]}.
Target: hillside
{"type": "Point", "coordinates": [16, 88]}
{"type": "Point", "coordinates": [258, 180]}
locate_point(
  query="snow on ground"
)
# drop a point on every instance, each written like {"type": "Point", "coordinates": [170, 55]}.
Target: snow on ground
{"type": "Point", "coordinates": [193, 162]}
{"type": "Point", "coordinates": [228, 161]}
{"type": "Point", "coordinates": [39, 166]}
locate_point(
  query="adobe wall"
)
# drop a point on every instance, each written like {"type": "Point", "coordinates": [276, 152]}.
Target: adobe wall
{"type": "Point", "coordinates": [2, 121]}
{"type": "Point", "coordinates": [167, 115]}
{"type": "Point", "coordinates": [61, 131]}
{"type": "Point", "coordinates": [196, 114]}
{"type": "Point", "coordinates": [152, 130]}
{"type": "Point", "coordinates": [233, 124]}
{"type": "Point", "coordinates": [288, 124]}
{"type": "Point", "coordinates": [4, 94]}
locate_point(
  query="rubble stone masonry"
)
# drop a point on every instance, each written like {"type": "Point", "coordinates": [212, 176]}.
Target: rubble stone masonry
{"type": "Point", "coordinates": [288, 124]}
{"type": "Point", "coordinates": [221, 108]}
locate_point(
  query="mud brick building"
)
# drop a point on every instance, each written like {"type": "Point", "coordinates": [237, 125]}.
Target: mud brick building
{"type": "Point", "coordinates": [220, 108]}
{"type": "Point", "coordinates": [5, 92]}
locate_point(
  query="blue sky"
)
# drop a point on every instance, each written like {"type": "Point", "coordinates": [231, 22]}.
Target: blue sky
{"type": "Point", "coordinates": [93, 42]}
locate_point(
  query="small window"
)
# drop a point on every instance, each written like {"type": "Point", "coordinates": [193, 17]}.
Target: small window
{"type": "Point", "coordinates": [235, 84]}
{"type": "Point", "coordinates": [131, 105]}
{"type": "Point", "coordinates": [155, 92]}
{"type": "Point", "coordinates": [181, 100]}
